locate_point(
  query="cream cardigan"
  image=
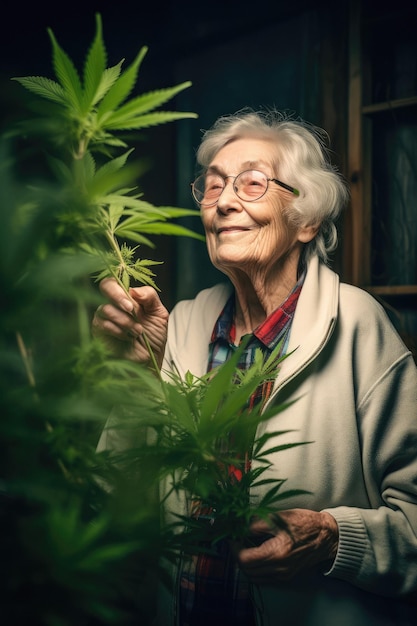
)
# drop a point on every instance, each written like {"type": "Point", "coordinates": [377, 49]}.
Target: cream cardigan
{"type": "Point", "coordinates": [356, 388]}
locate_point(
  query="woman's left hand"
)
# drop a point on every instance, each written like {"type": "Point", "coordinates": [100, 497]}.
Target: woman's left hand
{"type": "Point", "coordinates": [292, 541]}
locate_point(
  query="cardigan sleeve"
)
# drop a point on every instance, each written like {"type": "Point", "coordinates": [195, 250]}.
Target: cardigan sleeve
{"type": "Point", "coordinates": [378, 546]}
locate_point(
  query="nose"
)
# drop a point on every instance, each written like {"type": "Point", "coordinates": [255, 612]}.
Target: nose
{"type": "Point", "coordinates": [228, 200]}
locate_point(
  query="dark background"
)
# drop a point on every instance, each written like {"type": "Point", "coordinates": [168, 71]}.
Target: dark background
{"type": "Point", "coordinates": [288, 55]}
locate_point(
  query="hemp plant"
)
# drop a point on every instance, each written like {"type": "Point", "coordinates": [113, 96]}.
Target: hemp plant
{"type": "Point", "coordinates": [83, 120]}
{"type": "Point", "coordinates": [212, 449]}
{"type": "Point", "coordinates": [72, 213]}
{"type": "Point", "coordinates": [84, 529]}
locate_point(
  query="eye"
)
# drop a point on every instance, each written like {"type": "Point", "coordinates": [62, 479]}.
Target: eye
{"type": "Point", "coordinates": [213, 183]}
{"type": "Point", "coordinates": [252, 183]}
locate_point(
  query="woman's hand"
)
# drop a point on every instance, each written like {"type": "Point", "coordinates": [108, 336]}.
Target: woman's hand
{"type": "Point", "coordinates": [292, 541]}
{"type": "Point", "coordinates": [124, 321]}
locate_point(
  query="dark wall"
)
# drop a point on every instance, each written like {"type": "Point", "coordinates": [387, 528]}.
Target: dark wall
{"type": "Point", "coordinates": [271, 63]}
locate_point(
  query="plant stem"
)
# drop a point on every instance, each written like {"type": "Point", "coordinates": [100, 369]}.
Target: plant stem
{"type": "Point", "coordinates": [26, 360]}
{"type": "Point", "coordinates": [32, 383]}
{"type": "Point", "coordinates": [152, 356]}
{"type": "Point", "coordinates": [116, 249]}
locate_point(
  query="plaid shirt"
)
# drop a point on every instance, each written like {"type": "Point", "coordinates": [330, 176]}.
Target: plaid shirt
{"type": "Point", "coordinates": [212, 588]}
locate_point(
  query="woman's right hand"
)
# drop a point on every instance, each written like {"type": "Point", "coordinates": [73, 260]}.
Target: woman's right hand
{"type": "Point", "coordinates": [125, 319]}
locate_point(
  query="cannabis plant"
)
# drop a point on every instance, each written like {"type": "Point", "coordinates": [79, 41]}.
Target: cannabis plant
{"type": "Point", "coordinates": [77, 552]}
{"type": "Point", "coordinates": [209, 446]}
{"type": "Point", "coordinates": [83, 119]}
{"type": "Point", "coordinates": [82, 531]}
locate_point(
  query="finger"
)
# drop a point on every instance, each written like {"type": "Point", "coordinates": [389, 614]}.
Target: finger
{"type": "Point", "coordinates": [107, 328]}
{"type": "Point", "coordinates": [110, 320]}
{"type": "Point", "coordinates": [112, 291]}
{"type": "Point", "coordinates": [272, 549]}
{"type": "Point", "coordinates": [260, 525]}
{"type": "Point", "coordinates": [148, 299]}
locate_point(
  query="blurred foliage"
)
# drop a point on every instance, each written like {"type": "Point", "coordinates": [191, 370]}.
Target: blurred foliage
{"type": "Point", "coordinates": [74, 550]}
{"type": "Point", "coordinates": [82, 534]}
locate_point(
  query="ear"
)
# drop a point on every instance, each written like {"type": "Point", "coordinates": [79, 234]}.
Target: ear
{"type": "Point", "coordinates": [307, 233]}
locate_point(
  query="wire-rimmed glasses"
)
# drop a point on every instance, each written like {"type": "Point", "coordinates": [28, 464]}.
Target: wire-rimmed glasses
{"type": "Point", "coordinates": [249, 185]}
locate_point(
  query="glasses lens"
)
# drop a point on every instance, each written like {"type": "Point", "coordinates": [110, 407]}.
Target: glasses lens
{"type": "Point", "coordinates": [251, 185]}
{"type": "Point", "coordinates": [207, 188]}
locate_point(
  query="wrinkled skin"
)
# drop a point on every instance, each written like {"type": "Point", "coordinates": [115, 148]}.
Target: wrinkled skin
{"type": "Point", "coordinates": [291, 542]}
{"type": "Point", "coordinates": [123, 321]}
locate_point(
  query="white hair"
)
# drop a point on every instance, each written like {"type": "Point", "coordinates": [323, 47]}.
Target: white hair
{"type": "Point", "coordinates": [302, 161]}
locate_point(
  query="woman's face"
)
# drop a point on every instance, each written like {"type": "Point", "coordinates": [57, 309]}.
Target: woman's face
{"type": "Point", "coordinates": [253, 235]}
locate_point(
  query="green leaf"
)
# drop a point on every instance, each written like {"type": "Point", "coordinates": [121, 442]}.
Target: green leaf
{"type": "Point", "coordinates": [66, 74]}
{"type": "Point", "coordinates": [146, 103]}
{"type": "Point", "coordinates": [217, 389]}
{"type": "Point", "coordinates": [133, 235]}
{"type": "Point", "coordinates": [44, 87]}
{"type": "Point", "coordinates": [112, 166]}
{"type": "Point", "coordinates": [264, 438]}
{"type": "Point", "coordinates": [84, 170]}
{"type": "Point", "coordinates": [115, 212]}
{"type": "Point", "coordinates": [273, 496]}
{"type": "Point", "coordinates": [121, 89]}
{"type": "Point", "coordinates": [172, 212]}
{"type": "Point", "coordinates": [125, 280]}
{"type": "Point", "coordinates": [94, 67]}
{"type": "Point", "coordinates": [145, 121]}
{"type": "Point", "coordinates": [143, 278]}
{"type": "Point", "coordinates": [135, 208]}
{"type": "Point", "coordinates": [281, 447]}
{"type": "Point", "coordinates": [148, 262]}
{"type": "Point", "coordinates": [108, 78]}
{"type": "Point", "coordinates": [106, 189]}
{"type": "Point", "coordinates": [159, 228]}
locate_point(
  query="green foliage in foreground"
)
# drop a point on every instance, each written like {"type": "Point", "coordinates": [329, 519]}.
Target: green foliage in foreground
{"type": "Point", "coordinates": [79, 121]}
{"type": "Point", "coordinates": [82, 531]}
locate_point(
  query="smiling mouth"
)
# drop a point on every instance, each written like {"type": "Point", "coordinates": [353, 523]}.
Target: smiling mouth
{"type": "Point", "coordinates": [232, 229]}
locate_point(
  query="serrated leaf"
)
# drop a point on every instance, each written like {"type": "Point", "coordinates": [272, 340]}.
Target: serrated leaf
{"type": "Point", "coordinates": [115, 212]}
{"type": "Point", "coordinates": [163, 228]}
{"type": "Point", "coordinates": [66, 74]}
{"type": "Point", "coordinates": [114, 164]}
{"type": "Point", "coordinates": [140, 271]}
{"type": "Point", "coordinates": [111, 182]}
{"type": "Point", "coordinates": [137, 222]}
{"type": "Point", "coordinates": [108, 79]}
{"type": "Point", "coordinates": [44, 87]}
{"type": "Point", "coordinates": [122, 88]}
{"type": "Point", "coordinates": [94, 67]}
{"type": "Point", "coordinates": [143, 277]}
{"type": "Point", "coordinates": [135, 236]}
{"type": "Point", "coordinates": [145, 103]}
{"type": "Point", "coordinates": [106, 273]}
{"type": "Point", "coordinates": [108, 140]}
{"type": "Point", "coordinates": [133, 204]}
{"type": "Point", "coordinates": [172, 212]}
{"type": "Point", "coordinates": [147, 263]}
{"type": "Point", "coordinates": [152, 119]}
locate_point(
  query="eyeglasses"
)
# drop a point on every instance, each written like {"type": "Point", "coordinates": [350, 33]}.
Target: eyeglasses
{"type": "Point", "coordinates": [249, 186]}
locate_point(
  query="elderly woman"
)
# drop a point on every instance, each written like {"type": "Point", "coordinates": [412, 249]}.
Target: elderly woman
{"type": "Point", "coordinates": [346, 552]}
